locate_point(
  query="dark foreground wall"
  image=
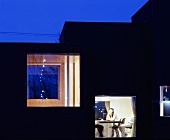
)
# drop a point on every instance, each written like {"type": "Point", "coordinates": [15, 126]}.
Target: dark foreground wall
{"type": "Point", "coordinates": [157, 13]}
{"type": "Point", "coordinates": [118, 63]}
{"type": "Point", "coordinates": [161, 73]}
{"type": "Point", "coordinates": [21, 123]}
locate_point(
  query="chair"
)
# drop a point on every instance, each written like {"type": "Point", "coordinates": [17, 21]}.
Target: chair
{"type": "Point", "coordinates": [115, 127]}
{"type": "Point", "coordinates": [129, 130]}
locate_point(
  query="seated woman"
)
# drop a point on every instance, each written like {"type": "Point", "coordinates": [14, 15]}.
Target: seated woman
{"type": "Point", "coordinates": [97, 125]}
{"type": "Point", "coordinates": [113, 117]}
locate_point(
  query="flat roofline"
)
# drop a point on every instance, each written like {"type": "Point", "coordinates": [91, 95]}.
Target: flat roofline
{"type": "Point", "coordinates": [28, 43]}
{"type": "Point", "coordinates": [93, 23]}
{"type": "Point", "coordinates": [25, 44]}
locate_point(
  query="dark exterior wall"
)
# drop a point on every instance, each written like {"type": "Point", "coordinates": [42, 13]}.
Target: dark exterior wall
{"type": "Point", "coordinates": [115, 58]}
{"type": "Point", "coordinates": [49, 123]}
{"type": "Point", "coordinates": [157, 13]}
{"type": "Point", "coordinates": [160, 44]}
{"type": "Point", "coordinates": [144, 14]}
{"type": "Point", "coordinates": [161, 67]}
{"type": "Point", "coordinates": [118, 61]}
{"type": "Point", "coordinates": [113, 48]}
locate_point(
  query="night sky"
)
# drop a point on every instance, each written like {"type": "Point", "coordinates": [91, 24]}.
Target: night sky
{"type": "Point", "coordinates": [43, 20]}
{"type": "Point", "coordinates": [100, 108]}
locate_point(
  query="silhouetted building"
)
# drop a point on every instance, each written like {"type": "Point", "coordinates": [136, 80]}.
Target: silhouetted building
{"type": "Point", "coordinates": [118, 60]}
{"type": "Point", "coordinates": [156, 12]}
{"type": "Point", "coordinates": [122, 58]}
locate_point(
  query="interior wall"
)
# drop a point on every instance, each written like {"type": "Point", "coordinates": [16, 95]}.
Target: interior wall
{"type": "Point", "coordinates": [77, 81]}
{"type": "Point", "coordinates": [122, 105]}
{"type": "Point", "coordinates": [65, 82]}
{"type": "Point", "coordinates": [161, 101]}
{"type": "Point", "coordinates": [71, 82]}
{"type": "Point", "coordinates": [74, 81]}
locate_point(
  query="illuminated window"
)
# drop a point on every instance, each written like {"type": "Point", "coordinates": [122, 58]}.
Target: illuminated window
{"type": "Point", "coordinates": [53, 80]}
{"type": "Point", "coordinates": [165, 101]}
{"type": "Point", "coordinates": [125, 109]}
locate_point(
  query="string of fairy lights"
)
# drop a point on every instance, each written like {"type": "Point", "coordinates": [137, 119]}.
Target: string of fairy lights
{"type": "Point", "coordinates": [42, 70]}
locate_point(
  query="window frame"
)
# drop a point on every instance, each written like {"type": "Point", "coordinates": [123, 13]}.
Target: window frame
{"type": "Point", "coordinates": [60, 102]}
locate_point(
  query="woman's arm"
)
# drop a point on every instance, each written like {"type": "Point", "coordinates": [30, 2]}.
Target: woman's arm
{"type": "Point", "coordinates": [107, 117]}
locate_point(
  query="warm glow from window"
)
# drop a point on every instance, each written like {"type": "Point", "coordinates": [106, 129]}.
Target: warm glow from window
{"type": "Point", "coordinates": [53, 80]}
{"type": "Point", "coordinates": [124, 108]}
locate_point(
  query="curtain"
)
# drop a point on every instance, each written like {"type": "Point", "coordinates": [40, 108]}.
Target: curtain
{"type": "Point", "coordinates": [133, 102]}
{"type": "Point", "coordinates": [107, 104]}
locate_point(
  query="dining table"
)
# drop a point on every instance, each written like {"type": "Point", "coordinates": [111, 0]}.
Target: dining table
{"type": "Point", "coordinates": [109, 121]}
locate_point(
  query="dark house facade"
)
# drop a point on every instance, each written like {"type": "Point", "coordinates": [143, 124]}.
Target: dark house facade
{"type": "Point", "coordinates": [130, 59]}
{"type": "Point", "coordinates": [157, 15]}
{"type": "Point", "coordinates": [22, 122]}
{"type": "Point", "coordinates": [118, 61]}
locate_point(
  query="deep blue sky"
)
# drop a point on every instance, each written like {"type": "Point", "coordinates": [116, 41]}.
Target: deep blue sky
{"type": "Point", "coordinates": [42, 20]}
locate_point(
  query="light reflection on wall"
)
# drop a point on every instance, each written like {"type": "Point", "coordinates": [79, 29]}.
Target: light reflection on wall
{"type": "Point", "coordinates": [122, 105]}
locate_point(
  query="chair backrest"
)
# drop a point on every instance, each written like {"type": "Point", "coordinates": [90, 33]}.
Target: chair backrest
{"type": "Point", "coordinates": [123, 120]}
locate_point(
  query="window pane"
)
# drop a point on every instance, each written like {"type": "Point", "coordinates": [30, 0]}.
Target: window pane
{"type": "Point", "coordinates": [43, 82]}
{"type": "Point", "coordinates": [165, 101]}
{"type": "Point", "coordinates": [100, 110]}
